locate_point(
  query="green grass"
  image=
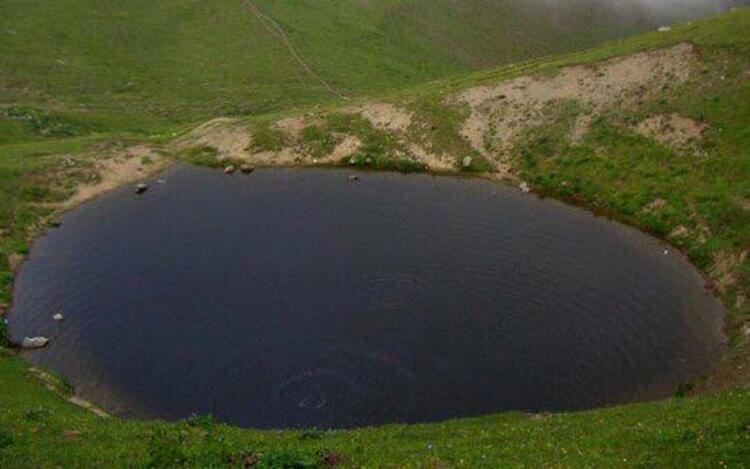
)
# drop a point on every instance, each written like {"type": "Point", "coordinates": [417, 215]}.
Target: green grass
{"type": "Point", "coordinates": [54, 120]}
{"type": "Point", "coordinates": [703, 189]}
{"type": "Point", "coordinates": [318, 141]}
{"type": "Point", "coordinates": [142, 65]}
{"type": "Point", "coordinates": [39, 429]}
{"type": "Point", "coordinates": [266, 138]}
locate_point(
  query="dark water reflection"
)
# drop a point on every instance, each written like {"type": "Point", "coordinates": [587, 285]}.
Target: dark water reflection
{"type": "Point", "coordinates": [295, 298]}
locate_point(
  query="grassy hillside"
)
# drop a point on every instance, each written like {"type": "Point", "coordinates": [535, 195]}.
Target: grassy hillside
{"type": "Point", "coordinates": [136, 64]}
{"type": "Point", "coordinates": [696, 196]}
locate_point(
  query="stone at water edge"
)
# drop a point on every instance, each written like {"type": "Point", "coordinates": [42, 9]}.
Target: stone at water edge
{"type": "Point", "coordinates": [246, 169]}
{"type": "Point", "coordinates": [230, 169]}
{"type": "Point", "coordinates": [141, 188]}
{"type": "Point", "coordinates": [34, 342]}
{"type": "Point", "coordinates": [525, 188]}
{"type": "Point", "coordinates": [467, 161]}
{"type": "Point", "coordinates": [58, 317]}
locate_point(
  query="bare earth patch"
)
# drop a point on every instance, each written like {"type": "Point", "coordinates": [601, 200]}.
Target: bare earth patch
{"type": "Point", "coordinates": [348, 146]}
{"type": "Point", "coordinates": [725, 268]}
{"type": "Point", "coordinates": [674, 130]}
{"type": "Point", "coordinates": [500, 113]}
{"type": "Point", "coordinates": [230, 138]}
{"type": "Point", "coordinates": [123, 168]}
{"type": "Point", "coordinates": [436, 162]}
{"type": "Point", "coordinates": [292, 126]}
{"type": "Point", "coordinates": [386, 116]}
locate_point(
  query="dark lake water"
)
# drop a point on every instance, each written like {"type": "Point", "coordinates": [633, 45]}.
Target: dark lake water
{"type": "Point", "coordinates": [294, 297]}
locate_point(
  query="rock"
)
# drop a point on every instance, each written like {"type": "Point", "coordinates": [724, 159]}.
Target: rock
{"type": "Point", "coordinates": [246, 169]}
{"type": "Point", "coordinates": [230, 169]}
{"type": "Point", "coordinates": [746, 331]}
{"type": "Point", "coordinates": [55, 223]}
{"type": "Point", "coordinates": [34, 342]}
{"type": "Point", "coordinates": [353, 178]}
{"type": "Point", "coordinates": [368, 160]}
{"type": "Point", "coordinates": [525, 188]}
{"type": "Point", "coordinates": [58, 317]}
{"type": "Point", "coordinates": [467, 161]}
{"type": "Point", "coordinates": [141, 188]}
{"type": "Point", "coordinates": [352, 161]}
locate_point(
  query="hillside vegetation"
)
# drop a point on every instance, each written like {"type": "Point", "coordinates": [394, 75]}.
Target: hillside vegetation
{"type": "Point", "coordinates": [138, 65]}
{"type": "Point", "coordinates": [653, 130]}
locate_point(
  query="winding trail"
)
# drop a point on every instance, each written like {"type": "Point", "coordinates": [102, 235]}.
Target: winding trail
{"type": "Point", "coordinates": [275, 28]}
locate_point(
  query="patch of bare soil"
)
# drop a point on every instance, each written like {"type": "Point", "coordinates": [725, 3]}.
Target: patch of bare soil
{"type": "Point", "coordinates": [436, 162]}
{"type": "Point", "coordinates": [386, 116]}
{"type": "Point", "coordinates": [500, 113]}
{"type": "Point", "coordinates": [122, 168]}
{"type": "Point", "coordinates": [292, 126]}
{"type": "Point", "coordinates": [674, 130]}
{"type": "Point", "coordinates": [725, 269]}
{"type": "Point", "coordinates": [230, 138]}
{"type": "Point", "coordinates": [348, 146]}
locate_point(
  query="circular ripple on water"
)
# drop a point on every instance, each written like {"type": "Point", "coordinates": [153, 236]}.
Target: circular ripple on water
{"type": "Point", "coordinates": [396, 294]}
{"type": "Point", "coordinates": [341, 386]}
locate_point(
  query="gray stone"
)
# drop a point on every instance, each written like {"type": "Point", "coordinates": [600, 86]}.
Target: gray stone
{"type": "Point", "coordinates": [34, 342]}
{"type": "Point", "coordinates": [246, 169]}
{"type": "Point", "coordinates": [141, 188]}
{"type": "Point", "coordinates": [230, 169]}
{"type": "Point", "coordinates": [467, 161]}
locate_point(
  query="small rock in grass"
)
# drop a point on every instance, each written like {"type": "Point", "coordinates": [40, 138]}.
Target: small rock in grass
{"type": "Point", "coordinates": [230, 169]}
{"type": "Point", "coordinates": [141, 188]}
{"type": "Point", "coordinates": [467, 161]}
{"type": "Point", "coordinates": [352, 161]}
{"type": "Point", "coordinates": [246, 169]}
{"type": "Point", "coordinates": [58, 317]}
{"type": "Point", "coordinates": [34, 342]}
{"type": "Point", "coordinates": [525, 188]}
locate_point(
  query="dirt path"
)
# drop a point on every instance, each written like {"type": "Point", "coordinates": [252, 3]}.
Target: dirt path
{"type": "Point", "coordinates": [274, 28]}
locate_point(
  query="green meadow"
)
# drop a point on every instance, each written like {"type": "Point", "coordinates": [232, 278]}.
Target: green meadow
{"type": "Point", "coordinates": [81, 77]}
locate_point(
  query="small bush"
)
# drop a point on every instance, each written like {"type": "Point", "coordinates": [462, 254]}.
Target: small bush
{"type": "Point", "coordinates": [44, 123]}
{"type": "Point", "coordinates": [166, 449]}
{"type": "Point", "coordinates": [267, 139]}
{"type": "Point", "coordinates": [37, 415]}
{"type": "Point", "coordinates": [319, 142]}
{"type": "Point", "coordinates": [200, 421]}
{"type": "Point", "coordinates": [479, 164]}
{"type": "Point", "coordinates": [201, 156]}
{"type": "Point", "coordinates": [383, 163]}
